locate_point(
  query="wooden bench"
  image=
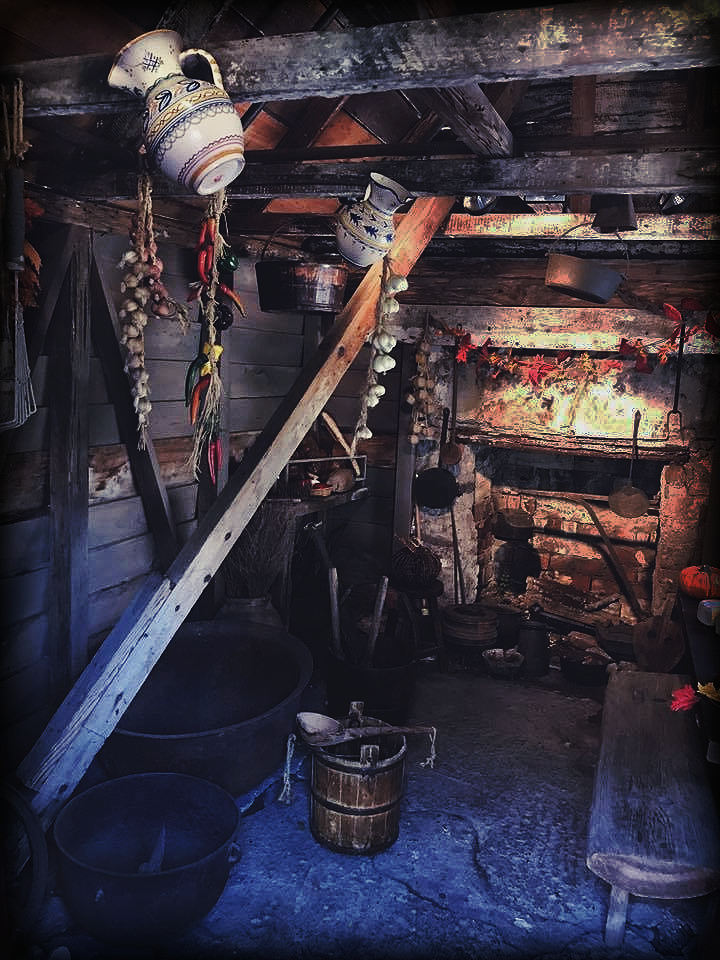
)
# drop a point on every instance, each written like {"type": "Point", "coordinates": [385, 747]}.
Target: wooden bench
{"type": "Point", "coordinates": [654, 828]}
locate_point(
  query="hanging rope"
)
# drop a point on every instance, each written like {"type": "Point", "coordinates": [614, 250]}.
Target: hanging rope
{"type": "Point", "coordinates": [286, 792]}
{"type": "Point", "coordinates": [207, 423]}
{"type": "Point", "coordinates": [13, 349]}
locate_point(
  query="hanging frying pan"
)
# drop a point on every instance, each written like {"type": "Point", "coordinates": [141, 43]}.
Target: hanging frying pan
{"type": "Point", "coordinates": [629, 501]}
{"type": "Point", "coordinates": [436, 487]}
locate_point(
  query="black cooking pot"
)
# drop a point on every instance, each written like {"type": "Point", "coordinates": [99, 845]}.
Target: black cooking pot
{"type": "Point", "coordinates": [436, 487]}
{"type": "Point", "coordinates": [143, 857]}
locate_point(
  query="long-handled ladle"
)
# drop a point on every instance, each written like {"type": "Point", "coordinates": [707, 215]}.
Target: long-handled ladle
{"type": "Point", "coordinates": [317, 730]}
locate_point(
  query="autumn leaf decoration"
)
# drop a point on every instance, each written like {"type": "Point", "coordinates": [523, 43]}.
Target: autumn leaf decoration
{"type": "Point", "coordinates": [685, 698]}
{"type": "Point", "coordinates": [537, 370]}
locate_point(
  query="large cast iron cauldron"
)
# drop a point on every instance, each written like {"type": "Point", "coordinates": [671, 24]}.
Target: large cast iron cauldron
{"type": "Point", "coordinates": [143, 857]}
{"type": "Point", "coordinates": [219, 704]}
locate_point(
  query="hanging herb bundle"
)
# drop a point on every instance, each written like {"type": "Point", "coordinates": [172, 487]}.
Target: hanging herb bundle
{"type": "Point", "coordinates": [203, 386]}
{"type": "Point", "coordinates": [144, 295]}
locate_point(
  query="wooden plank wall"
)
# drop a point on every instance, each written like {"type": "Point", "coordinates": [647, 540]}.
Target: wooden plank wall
{"type": "Point", "coordinates": [263, 354]}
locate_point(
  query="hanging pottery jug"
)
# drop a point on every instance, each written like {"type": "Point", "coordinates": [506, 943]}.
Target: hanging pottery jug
{"type": "Point", "coordinates": [365, 230]}
{"type": "Point", "coordinates": [191, 130]}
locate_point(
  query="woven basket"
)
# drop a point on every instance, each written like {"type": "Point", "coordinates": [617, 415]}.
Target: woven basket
{"type": "Point", "coordinates": [414, 565]}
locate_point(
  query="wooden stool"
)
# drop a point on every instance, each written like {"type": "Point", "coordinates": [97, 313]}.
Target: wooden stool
{"type": "Point", "coordinates": [653, 828]}
{"type": "Point", "coordinates": [421, 608]}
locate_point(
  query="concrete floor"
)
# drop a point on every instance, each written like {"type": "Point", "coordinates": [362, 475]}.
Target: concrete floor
{"type": "Point", "coordinates": [489, 863]}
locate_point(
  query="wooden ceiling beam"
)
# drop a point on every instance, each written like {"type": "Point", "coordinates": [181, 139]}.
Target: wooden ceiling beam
{"type": "Point", "coordinates": [575, 328]}
{"type": "Point", "coordinates": [470, 115]}
{"type": "Point", "coordinates": [567, 40]}
{"type": "Point", "coordinates": [689, 171]}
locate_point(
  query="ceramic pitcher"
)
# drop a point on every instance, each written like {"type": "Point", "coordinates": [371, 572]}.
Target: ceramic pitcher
{"type": "Point", "coordinates": [365, 230]}
{"type": "Point", "coordinates": [191, 130]}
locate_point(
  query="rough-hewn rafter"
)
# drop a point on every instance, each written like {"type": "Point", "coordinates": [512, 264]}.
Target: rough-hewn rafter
{"type": "Point", "coordinates": [566, 40]}
{"type": "Point", "coordinates": [696, 171]}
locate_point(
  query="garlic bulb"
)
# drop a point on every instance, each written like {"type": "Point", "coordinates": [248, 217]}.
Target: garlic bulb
{"type": "Point", "coordinates": [389, 306]}
{"type": "Point", "coordinates": [382, 363]}
{"type": "Point", "coordinates": [384, 341]}
{"type": "Point", "coordinates": [396, 284]}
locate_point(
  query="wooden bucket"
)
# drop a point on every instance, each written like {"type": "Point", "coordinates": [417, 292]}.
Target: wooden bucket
{"type": "Point", "coordinates": [355, 793]}
{"type": "Point", "coordinates": [294, 285]}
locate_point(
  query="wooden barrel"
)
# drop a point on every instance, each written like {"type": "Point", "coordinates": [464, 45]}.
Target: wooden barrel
{"type": "Point", "coordinates": [295, 285]}
{"type": "Point", "coordinates": [468, 629]}
{"type": "Point", "coordinates": [355, 793]}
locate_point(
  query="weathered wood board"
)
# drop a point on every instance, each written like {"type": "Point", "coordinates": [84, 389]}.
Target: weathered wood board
{"type": "Point", "coordinates": [653, 828]}
{"type": "Point", "coordinates": [94, 705]}
{"type": "Point", "coordinates": [567, 40]}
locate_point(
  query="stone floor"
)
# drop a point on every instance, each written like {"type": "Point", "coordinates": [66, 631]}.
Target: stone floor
{"type": "Point", "coordinates": [489, 862]}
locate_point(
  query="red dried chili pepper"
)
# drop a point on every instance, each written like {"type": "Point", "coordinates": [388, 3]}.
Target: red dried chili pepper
{"type": "Point", "coordinates": [204, 263]}
{"type": "Point", "coordinates": [199, 389]}
{"type": "Point", "coordinates": [234, 297]}
{"type": "Point", "coordinates": [214, 457]}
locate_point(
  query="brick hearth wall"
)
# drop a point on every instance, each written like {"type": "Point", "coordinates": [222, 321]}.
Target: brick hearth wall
{"type": "Point", "coordinates": [571, 551]}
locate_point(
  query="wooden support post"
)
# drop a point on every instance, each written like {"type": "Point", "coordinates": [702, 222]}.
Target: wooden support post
{"type": "Point", "coordinates": [55, 765]}
{"type": "Point", "coordinates": [68, 428]}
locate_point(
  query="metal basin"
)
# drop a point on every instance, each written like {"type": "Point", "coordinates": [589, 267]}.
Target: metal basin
{"type": "Point", "coordinates": [144, 857]}
{"type": "Point", "coordinates": [219, 704]}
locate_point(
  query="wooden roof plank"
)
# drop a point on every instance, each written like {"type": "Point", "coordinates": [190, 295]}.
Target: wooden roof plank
{"type": "Point", "coordinates": [57, 762]}
{"type": "Point", "coordinates": [566, 40]}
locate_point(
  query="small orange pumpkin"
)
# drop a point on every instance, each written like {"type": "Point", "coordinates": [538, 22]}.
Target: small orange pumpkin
{"type": "Point", "coordinates": [702, 582]}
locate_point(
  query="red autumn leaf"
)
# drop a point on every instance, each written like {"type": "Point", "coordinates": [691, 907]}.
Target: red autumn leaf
{"type": "Point", "coordinates": [627, 349]}
{"type": "Point", "coordinates": [691, 303]}
{"type": "Point", "coordinates": [483, 354]}
{"type": "Point", "coordinates": [538, 369]}
{"type": "Point", "coordinates": [675, 334]}
{"type": "Point", "coordinates": [711, 323]}
{"type": "Point", "coordinates": [642, 365]}
{"type": "Point", "coordinates": [672, 313]}
{"type": "Point", "coordinates": [464, 344]}
{"type": "Point", "coordinates": [608, 364]}
{"type": "Point", "coordinates": [684, 699]}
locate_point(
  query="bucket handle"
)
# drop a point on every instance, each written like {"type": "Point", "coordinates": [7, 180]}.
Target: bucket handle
{"type": "Point", "coordinates": [282, 226]}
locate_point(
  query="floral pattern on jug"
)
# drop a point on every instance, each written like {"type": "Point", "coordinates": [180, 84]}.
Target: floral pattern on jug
{"type": "Point", "coordinates": [191, 129]}
{"type": "Point", "coordinates": [365, 230]}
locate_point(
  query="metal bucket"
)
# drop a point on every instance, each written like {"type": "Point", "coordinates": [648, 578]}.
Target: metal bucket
{"type": "Point", "coordinates": [219, 704]}
{"type": "Point", "coordinates": [143, 857]}
{"type": "Point", "coordinates": [533, 644]}
{"type": "Point", "coordinates": [355, 793]}
{"type": "Point", "coordinates": [583, 279]}
{"type": "Point", "coordinates": [387, 692]}
{"type": "Point", "coordinates": [294, 285]}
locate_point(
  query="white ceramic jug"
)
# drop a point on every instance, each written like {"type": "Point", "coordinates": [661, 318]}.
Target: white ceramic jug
{"type": "Point", "coordinates": [365, 230]}
{"type": "Point", "coordinates": [191, 129]}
